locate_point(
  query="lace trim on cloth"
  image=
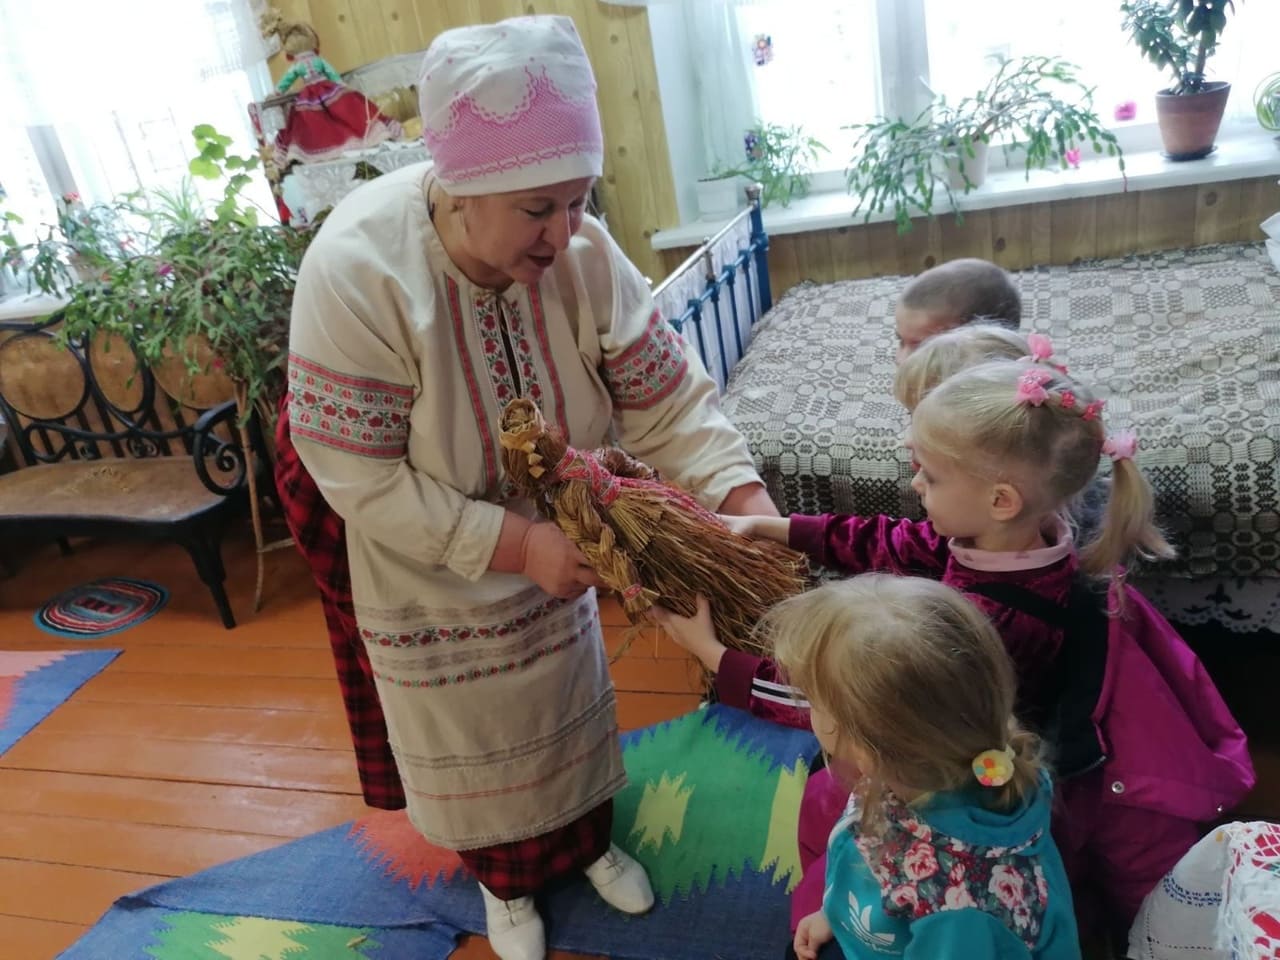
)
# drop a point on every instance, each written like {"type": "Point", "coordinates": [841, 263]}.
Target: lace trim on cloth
{"type": "Point", "coordinates": [1241, 605]}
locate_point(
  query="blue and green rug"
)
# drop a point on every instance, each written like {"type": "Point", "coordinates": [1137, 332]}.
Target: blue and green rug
{"type": "Point", "coordinates": [711, 812]}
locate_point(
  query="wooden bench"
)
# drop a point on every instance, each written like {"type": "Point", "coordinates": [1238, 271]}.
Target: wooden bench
{"type": "Point", "coordinates": [107, 447]}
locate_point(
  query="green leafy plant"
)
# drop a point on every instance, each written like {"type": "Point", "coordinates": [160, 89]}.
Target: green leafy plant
{"type": "Point", "coordinates": [1178, 35]}
{"type": "Point", "coordinates": [780, 159]}
{"type": "Point", "coordinates": [10, 247]}
{"type": "Point", "coordinates": [1036, 106]}
{"type": "Point", "coordinates": [191, 274]}
{"type": "Point", "coordinates": [1266, 103]}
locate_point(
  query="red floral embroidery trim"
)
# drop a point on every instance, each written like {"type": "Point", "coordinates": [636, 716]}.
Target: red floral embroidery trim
{"type": "Point", "coordinates": [360, 415]}
{"type": "Point", "coordinates": [649, 370]}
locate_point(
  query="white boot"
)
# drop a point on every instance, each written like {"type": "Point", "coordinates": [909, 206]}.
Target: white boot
{"type": "Point", "coordinates": [621, 882]}
{"type": "Point", "coordinates": [515, 927]}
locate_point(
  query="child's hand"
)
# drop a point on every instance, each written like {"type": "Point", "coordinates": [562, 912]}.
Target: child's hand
{"type": "Point", "coordinates": [697, 634]}
{"type": "Point", "coordinates": [777, 529]}
{"type": "Point", "coordinates": [814, 931]}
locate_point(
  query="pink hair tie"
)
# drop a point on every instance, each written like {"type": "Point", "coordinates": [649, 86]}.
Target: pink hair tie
{"type": "Point", "coordinates": [1041, 347]}
{"type": "Point", "coordinates": [1121, 446]}
{"type": "Point", "coordinates": [1093, 410]}
{"type": "Point", "coordinates": [1031, 387]}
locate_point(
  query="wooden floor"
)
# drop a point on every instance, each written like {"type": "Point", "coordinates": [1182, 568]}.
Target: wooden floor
{"type": "Point", "coordinates": [198, 744]}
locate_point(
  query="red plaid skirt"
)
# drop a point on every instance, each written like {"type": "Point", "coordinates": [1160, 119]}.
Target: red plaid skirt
{"type": "Point", "coordinates": [509, 870]}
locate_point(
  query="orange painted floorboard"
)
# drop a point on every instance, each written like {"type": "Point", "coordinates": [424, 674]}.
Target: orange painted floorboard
{"type": "Point", "coordinates": [199, 744]}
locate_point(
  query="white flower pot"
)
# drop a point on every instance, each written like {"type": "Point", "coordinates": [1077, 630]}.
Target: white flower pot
{"type": "Point", "coordinates": [975, 167]}
{"type": "Point", "coordinates": [719, 198]}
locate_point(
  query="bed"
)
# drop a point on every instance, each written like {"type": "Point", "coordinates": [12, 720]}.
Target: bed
{"type": "Point", "coordinates": [1184, 344]}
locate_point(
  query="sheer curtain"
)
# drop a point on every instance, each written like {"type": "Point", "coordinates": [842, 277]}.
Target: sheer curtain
{"type": "Point", "coordinates": [100, 98]}
{"type": "Point", "coordinates": [718, 56]}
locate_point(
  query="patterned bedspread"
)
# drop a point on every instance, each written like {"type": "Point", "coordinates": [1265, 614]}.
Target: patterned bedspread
{"type": "Point", "coordinates": [1184, 345]}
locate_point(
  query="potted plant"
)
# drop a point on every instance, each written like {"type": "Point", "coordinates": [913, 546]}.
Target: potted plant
{"type": "Point", "coordinates": [780, 159]}
{"type": "Point", "coordinates": [208, 288]}
{"type": "Point", "coordinates": [718, 194]}
{"type": "Point", "coordinates": [1266, 103]}
{"type": "Point", "coordinates": [1181, 35]}
{"type": "Point", "coordinates": [1034, 105]}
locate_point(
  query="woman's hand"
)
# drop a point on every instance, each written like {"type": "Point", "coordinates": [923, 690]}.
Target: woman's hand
{"type": "Point", "coordinates": [553, 562]}
{"type": "Point", "coordinates": [812, 934]}
{"type": "Point", "coordinates": [696, 634]}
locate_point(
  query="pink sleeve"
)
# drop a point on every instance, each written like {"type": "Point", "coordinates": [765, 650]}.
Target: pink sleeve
{"type": "Point", "coordinates": [752, 683]}
{"type": "Point", "coordinates": [861, 544]}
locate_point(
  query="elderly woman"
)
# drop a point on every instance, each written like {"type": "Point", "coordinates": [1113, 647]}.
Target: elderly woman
{"type": "Point", "coordinates": [430, 298]}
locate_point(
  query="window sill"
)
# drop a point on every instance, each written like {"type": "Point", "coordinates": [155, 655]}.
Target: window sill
{"type": "Point", "coordinates": [28, 306]}
{"type": "Point", "coordinates": [1240, 155]}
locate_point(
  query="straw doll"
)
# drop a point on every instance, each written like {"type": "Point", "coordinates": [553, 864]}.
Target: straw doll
{"type": "Point", "coordinates": [648, 540]}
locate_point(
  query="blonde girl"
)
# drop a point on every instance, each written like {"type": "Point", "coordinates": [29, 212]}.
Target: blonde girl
{"type": "Point", "coordinates": [1145, 749]}
{"type": "Point", "coordinates": [943, 850]}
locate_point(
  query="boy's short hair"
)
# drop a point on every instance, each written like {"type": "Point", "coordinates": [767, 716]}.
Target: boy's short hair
{"type": "Point", "coordinates": [966, 290]}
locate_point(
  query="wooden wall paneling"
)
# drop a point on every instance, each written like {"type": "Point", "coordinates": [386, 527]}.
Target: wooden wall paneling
{"type": "Point", "coordinates": [491, 11]}
{"type": "Point", "coordinates": [459, 13]}
{"type": "Point", "coordinates": [1011, 237]}
{"type": "Point", "coordinates": [1073, 230]}
{"type": "Point", "coordinates": [648, 96]}
{"type": "Point", "coordinates": [1166, 218]}
{"type": "Point", "coordinates": [920, 247]}
{"type": "Point", "coordinates": [813, 252]}
{"type": "Point", "coordinates": [882, 247]}
{"type": "Point", "coordinates": [784, 265]}
{"type": "Point", "coordinates": [1259, 199]}
{"type": "Point", "coordinates": [405, 30]}
{"type": "Point", "coordinates": [850, 252]}
{"type": "Point", "coordinates": [340, 41]}
{"type": "Point", "coordinates": [1039, 236]}
{"type": "Point", "coordinates": [1118, 224]}
{"type": "Point", "coordinates": [1217, 212]}
{"type": "Point", "coordinates": [370, 24]}
{"type": "Point", "coordinates": [631, 211]}
{"type": "Point", "coordinates": [969, 238]}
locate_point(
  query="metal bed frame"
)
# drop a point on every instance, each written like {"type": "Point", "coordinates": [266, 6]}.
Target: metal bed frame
{"type": "Point", "coordinates": [721, 286]}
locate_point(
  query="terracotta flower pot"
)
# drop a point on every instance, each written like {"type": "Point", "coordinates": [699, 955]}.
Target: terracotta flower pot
{"type": "Point", "coordinates": [1189, 123]}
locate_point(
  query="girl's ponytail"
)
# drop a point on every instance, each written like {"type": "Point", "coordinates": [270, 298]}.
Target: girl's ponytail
{"type": "Point", "coordinates": [1128, 527]}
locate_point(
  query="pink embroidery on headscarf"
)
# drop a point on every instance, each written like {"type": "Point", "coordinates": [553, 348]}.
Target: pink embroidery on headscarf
{"type": "Point", "coordinates": [545, 126]}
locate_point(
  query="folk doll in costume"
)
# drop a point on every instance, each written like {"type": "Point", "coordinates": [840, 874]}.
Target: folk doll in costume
{"type": "Point", "coordinates": [327, 117]}
{"type": "Point", "coordinates": [466, 631]}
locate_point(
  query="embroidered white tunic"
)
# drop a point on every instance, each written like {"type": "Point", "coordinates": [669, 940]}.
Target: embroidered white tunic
{"type": "Point", "coordinates": [498, 701]}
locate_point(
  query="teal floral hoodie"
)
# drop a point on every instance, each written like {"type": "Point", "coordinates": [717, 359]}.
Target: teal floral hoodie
{"type": "Point", "coordinates": [946, 878]}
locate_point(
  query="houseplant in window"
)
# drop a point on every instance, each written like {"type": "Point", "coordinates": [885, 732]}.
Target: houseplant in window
{"type": "Point", "coordinates": [780, 159]}
{"type": "Point", "coordinates": [202, 293]}
{"type": "Point", "coordinates": [1181, 36]}
{"type": "Point", "coordinates": [1035, 107]}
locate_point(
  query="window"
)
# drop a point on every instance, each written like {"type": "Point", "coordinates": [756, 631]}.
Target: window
{"type": "Point", "coordinates": [102, 97]}
{"type": "Point", "coordinates": [831, 63]}
{"type": "Point", "coordinates": [806, 72]}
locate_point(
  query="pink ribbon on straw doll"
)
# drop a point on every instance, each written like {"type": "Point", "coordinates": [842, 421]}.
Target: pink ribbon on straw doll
{"type": "Point", "coordinates": [1121, 446]}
